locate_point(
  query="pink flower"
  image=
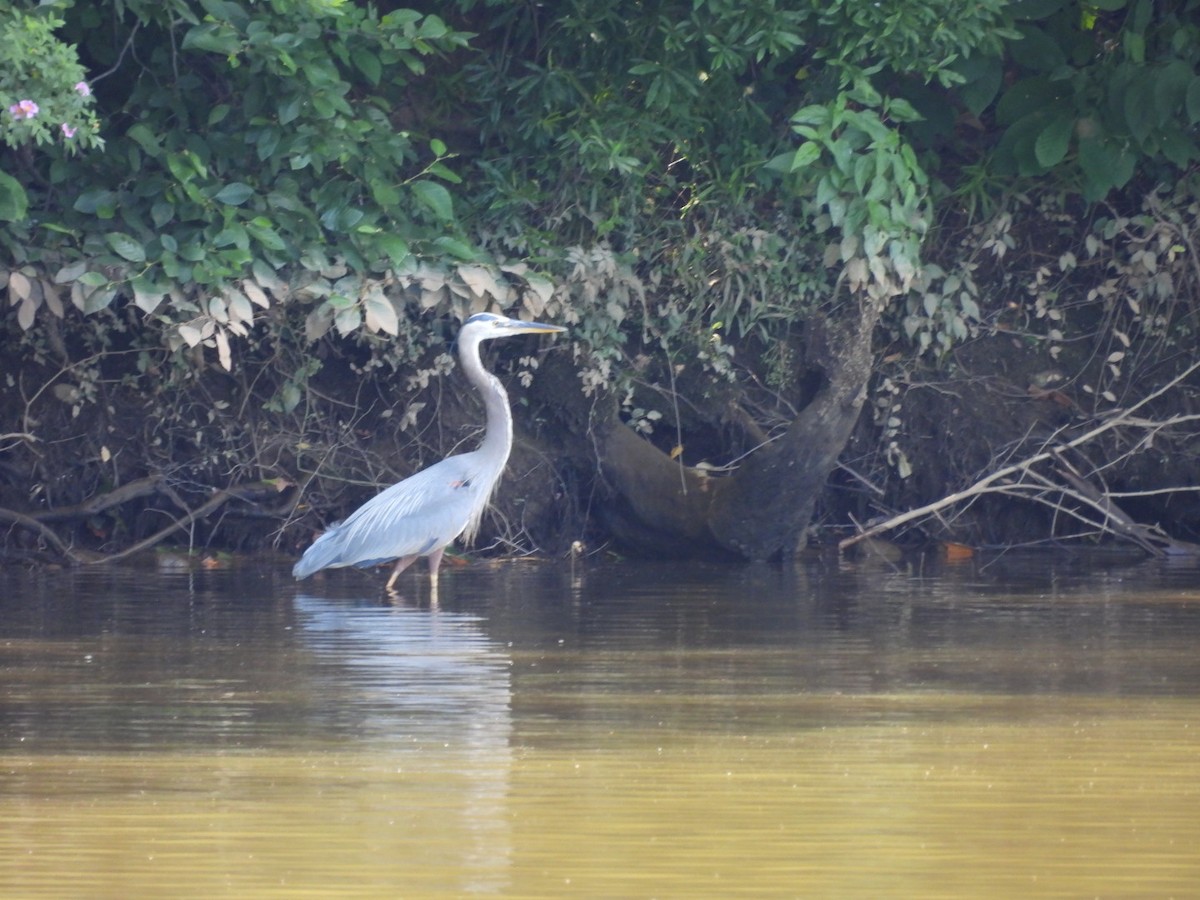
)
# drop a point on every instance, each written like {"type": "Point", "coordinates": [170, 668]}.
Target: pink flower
{"type": "Point", "coordinates": [68, 131]}
{"type": "Point", "coordinates": [83, 90]}
{"type": "Point", "coordinates": [26, 109]}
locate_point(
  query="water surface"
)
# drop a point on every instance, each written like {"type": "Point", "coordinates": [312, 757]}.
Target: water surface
{"type": "Point", "coordinates": [632, 730]}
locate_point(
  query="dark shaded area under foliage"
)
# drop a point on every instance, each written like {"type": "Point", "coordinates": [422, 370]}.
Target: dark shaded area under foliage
{"type": "Point", "coordinates": [206, 466]}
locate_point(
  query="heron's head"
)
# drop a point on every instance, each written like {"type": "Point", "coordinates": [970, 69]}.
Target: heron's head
{"type": "Point", "coordinates": [485, 326]}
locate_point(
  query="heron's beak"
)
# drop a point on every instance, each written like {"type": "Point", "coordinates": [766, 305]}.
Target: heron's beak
{"type": "Point", "coordinates": [518, 327]}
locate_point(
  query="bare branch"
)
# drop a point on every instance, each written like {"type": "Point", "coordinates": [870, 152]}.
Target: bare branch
{"type": "Point", "coordinates": [1001, 481]}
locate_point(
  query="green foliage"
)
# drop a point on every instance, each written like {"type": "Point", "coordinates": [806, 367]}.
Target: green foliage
{"type": "Point", "coordinates": [680, 168]}
{"type": "Point", "coordinates": [244, 137]}
{"type": "Point", "coordinates": [44, 99]}
{"type": "Point", "coordinates": [655, 134]}
{"type": "Point", "coordinates": [1100, 92]}
{"type": "Point", "coordinates": [925, 38]}
{"type": "Point", "coordinates": [299, 150]}
{"type": "Point", "coordinates": [868, 182]}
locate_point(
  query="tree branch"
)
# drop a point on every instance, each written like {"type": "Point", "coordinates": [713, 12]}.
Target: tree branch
{"type": "Point", "coordinates": [995, 482]}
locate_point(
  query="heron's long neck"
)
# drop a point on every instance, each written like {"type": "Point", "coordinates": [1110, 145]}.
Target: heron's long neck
{"type": "Point", "coordinates": [498, 436]}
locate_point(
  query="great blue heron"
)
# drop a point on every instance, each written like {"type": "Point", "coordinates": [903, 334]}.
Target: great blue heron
{"type": "Point", "coordinates": [426, 511]}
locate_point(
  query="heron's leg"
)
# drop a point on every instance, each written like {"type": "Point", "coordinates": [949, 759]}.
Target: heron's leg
{"type": "Point", "coordinates": [401, 564]}
{"type": "Point", "coordinates": [435, 560]}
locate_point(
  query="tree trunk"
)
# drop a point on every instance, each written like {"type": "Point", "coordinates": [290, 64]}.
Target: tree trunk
{"type": "Point", "coordinates": [763, 509]}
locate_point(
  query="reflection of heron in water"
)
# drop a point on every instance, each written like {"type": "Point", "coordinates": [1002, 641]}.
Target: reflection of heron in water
{"type": "Point", "coordinates": [421, 696]}
{"type": "Point", "coordinates": [425, 512]}
{"type": "Point", "coordinates": [410, 677]}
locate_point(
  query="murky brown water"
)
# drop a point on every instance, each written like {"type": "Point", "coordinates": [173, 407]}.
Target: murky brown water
{"type": "Point", "coordinates": [627, 730]}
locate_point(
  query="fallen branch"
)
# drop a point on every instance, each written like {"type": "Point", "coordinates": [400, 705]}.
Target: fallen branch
{"type": "Point", "coordinates": [135, 490]}
{"type": "Point", "coordinates": [1002, 480]}
{"type": "Point", "coordinates": [207, 509]}
{"type": "Point", "coordinates": [143, 487]}
{"type": "Point", "coordinates": [46, 534]}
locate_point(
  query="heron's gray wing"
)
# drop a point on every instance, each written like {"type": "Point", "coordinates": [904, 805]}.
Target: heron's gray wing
{"type": "Point", "coordinates": [423, 512]}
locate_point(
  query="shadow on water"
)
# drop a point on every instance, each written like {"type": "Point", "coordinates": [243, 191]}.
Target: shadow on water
{"type": "Point", "coordinates": [624, 729]}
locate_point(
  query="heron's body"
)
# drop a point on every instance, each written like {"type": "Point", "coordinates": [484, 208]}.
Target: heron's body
{"type": "Point", "coordinates": [424, 513]}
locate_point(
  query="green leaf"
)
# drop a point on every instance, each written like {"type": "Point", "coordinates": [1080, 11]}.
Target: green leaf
{"type": "Point", "coordinates": [98, 299]}
{"type": "Point", "coordinates": [455, 247]}
{"type": "Point", "coordinates": [394, 247]}
{"type": "Point", "coordinates": [290, 110]}
{"type": "Point", "coordinates": [232, 234]}
{"type": "Point", "coordinates": [268, 141]}
{"type": "Point", "coordinates": [146, 294]}
{"type": "Point", "coordinates": [1105, 165]}
{"type": "Point", "coordinates": [212, 37]}
{"type": "Point", "coordinates": [193, 251]}
{"type": "Point", "coordinates": [267, 277]}
{"type": "Point", "coordinates": [1052, 144]}
{"type": "Point", "coordinates": [806, 154]}
{"type": "Point", "coordinates": [1135, 46]}
{"type": "Point", "coordinates": [1024, 98]}
{"type": "Point", "coordinates": [436, 198]}
{"type": "Point", "coordinates": [1179, 148]}
{"type": "Point", "coordinates": [125, 246]}
{"type": "Point", "coordinates": [234, 194]}
{"type": "Point", "coordinates": [1171, 85]}
{"type": "Point", "coordinates": [444, 172]}
{"type": "Point", "coordinates": [145, 138]}
{"type": "Point", "coordinates": [260, 229]}
{"type": "Point", "coordinates": [812, 115]}
{"type": "Point", "coordinates": [14, 202]}
{"type": "Point", "coordinates": [385, 195]}
{"type": "Point", "coordinates": [1016, 152]}
{"type": "Point", "coordinates": [290, 396]}
{"type": "Point", "coordinates": [900, 110]}
{"type": "Point", "coordinates": [93, 279]}
{"type": "Point", "coordinates": [1037, 51]}
{"type": "Point", "coordinates": [1124, 165]}
{"type": "Point", "coordinates": [781, 163]}
{"type": "Point", "coordinates": [1193, 101]}
{"type": "Point", "coordinates": [1140, 16]}
{"type": "Point", "coordinates": [71, 272]}
{"type": "Point", "coordinates": [1139, 106]}
{"type": "Point", "coordinates": [182, 166]}
{"type": "Point", "coordinates": [864, 93]}
{"type": "Point", "coordinates": [368, 64]}
{"type": "Point", "coordinates": [95, 201]}
{"type": "Point", "coordinates": [161, 213]}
